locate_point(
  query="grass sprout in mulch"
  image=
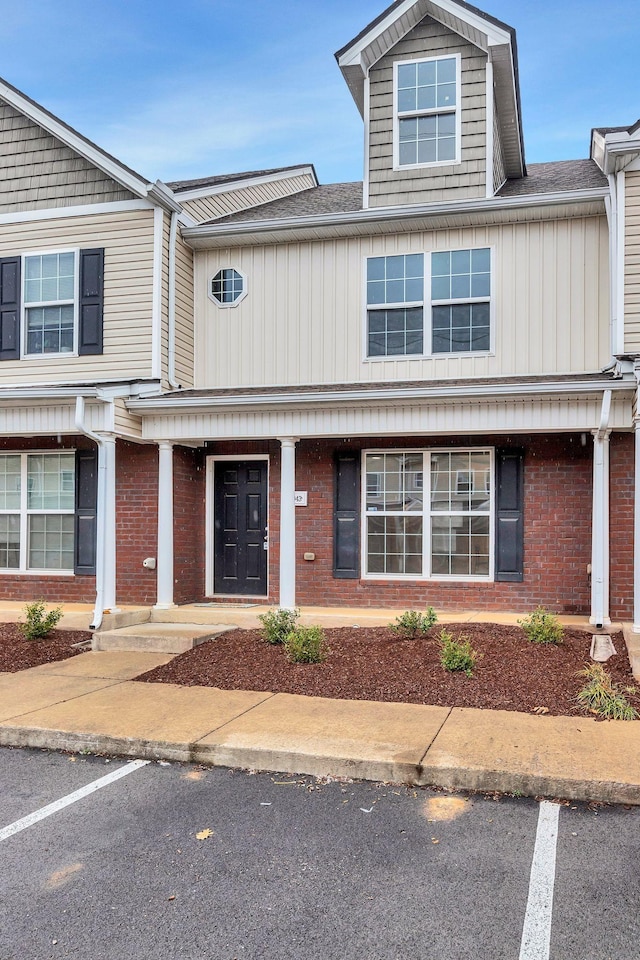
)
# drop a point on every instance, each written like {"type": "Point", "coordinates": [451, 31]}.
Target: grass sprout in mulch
{"type": "Point", "coordinates": [18, 653]}
{"type": "Point", "coordinates": [372, 663]}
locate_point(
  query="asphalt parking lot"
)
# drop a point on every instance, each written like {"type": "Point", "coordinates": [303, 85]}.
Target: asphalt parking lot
{"type": "Point", "coordinates": [176, 861]}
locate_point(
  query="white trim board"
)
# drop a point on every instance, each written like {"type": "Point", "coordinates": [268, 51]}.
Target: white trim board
{"type": "Point", "coordinates": [82, 210]}
{"type": "Point", "coordinates": [230, 185]}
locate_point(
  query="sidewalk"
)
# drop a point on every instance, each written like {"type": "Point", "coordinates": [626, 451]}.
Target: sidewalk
{"type": "Point", "coordinates": [90, 703]}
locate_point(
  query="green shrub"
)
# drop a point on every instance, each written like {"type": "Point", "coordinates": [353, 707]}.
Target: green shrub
{"type": "Point", "coordinates": [457, 654]}
{"type": "Point", "coordinates": [38, 624]}
{"type": "Point", "coordinates": [603, 697]}
{"type": "Point", "coordinates": [306, 645]}
{"type": "Point", "coordinates": [542, 627]}
{"type": "Point", "coordinates": [278, 624]}
{"type": "Point", "coordinates": [410, 623]}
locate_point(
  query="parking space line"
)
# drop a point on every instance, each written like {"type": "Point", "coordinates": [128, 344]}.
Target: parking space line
{"type": "Point", "coordinates": [63, 802]}
{"type": "Point", "coordinates": [536, 934]}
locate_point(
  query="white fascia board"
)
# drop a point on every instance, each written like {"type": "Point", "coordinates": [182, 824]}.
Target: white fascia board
{"type": "Point", "coordinates": [229, 185]}
{"type": "Point", "coordinates": [407, 212]}
{"type": "Point", "coordinates": [46, 393]}
{"type": "Point", "coordinates": [575, 388]}
{"type": "Point", "coordinates": [109, 165]}
{"type": "Point", "coordinates": [353, 55]}
{"type": "Point", "coordinates": [85, 210]}
{"type": "Point", "coordinates": [160, 193]}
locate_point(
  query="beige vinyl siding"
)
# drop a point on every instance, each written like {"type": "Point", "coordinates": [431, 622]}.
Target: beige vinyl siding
{"type": "Point", "coordinates": [126, 424]}
{"type": "Point", "coordinates": [184, 313]}
{"type": "Point", "coordinates": [426, 184]}
{"type": "Point", "coordinates": [499, 175]}
{"type": "Point", "coordinates": [38, 171]}
{"type": "Point", "coordinates": [632, 264]}
{"type": "Point", "coordinates": [221, 204]}
{"type": "Point", "coordinates": [127, 238]}
{"type": "Point", "coordinates": [303, 320]}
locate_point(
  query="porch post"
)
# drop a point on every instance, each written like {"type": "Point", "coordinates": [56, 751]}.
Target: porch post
{"type": "Point", "coordinates": [287, 522]}
{"type": "Point", "coordinates": [600, 531]}
{"type": "Point", "coordinates": [636, 530]}
{"type": "Point", "coordinates": [109, 572]}
{"type": "Point", "coordinates": [164, 560]}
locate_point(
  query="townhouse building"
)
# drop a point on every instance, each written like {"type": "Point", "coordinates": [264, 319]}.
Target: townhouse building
{"type": "Point", "coordinates": [418, 389]}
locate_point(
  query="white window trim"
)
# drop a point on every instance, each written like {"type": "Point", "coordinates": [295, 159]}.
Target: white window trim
{"type": "Point", "coordinates": [234, 303]}
{"type": "Point", "coordinates": [23, 570]}
{"type": "Point", "coordinates": [426, 576]}
{"type": "Point", "coordinates": [397, 116]}
{"type": "Point", "coordinates": [23, 306]}
{"type": "Point", "coordinates": [427, 304]}
{"type": "Point", "coordinates": [212, 459]}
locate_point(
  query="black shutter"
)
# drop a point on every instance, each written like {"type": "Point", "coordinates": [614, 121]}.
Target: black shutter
{"type": "Point", "coordinates": [10, 308]}
{"type": "Point", "coordinates": [509, 515]}
{"type": "Point", "coordinates": [86, 510]}
{"type": "Point", "coordinates": [346, 516]}
{"type": "Point", "coordinates": [91, 301]}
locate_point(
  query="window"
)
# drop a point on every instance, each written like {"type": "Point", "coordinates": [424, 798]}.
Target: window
{"type": "Point", "coordinates": [228, 287]}
{"type": "Point", "coordinates": [37, 503]}
{"type": "Point", "coordinates": [395, 298]}
{"type": "Point", "coordinates": [460, 304]}
{"type": "Point", "coordinates": [461, 301]}
{"type": "Point", "coordinates": [427, 121]}
{"type": "Point", "coordinates": [445, 531]}
{"type": "Point", "coordinates": [50, 302]}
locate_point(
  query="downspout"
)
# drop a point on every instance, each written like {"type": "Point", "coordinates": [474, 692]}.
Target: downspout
{"type": "Point", "coordinates": [600, 519]}
{"type": "Point", "coordinates": [171, 320]}
{"type": "Point", "coordinates": [82, 428]}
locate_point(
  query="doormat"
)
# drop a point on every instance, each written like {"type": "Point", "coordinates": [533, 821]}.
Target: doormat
{"type": "Point", "coordinates": [227, 606]}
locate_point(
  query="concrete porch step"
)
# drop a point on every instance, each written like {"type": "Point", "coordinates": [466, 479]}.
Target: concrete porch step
{"type": "Point", "coordinates": [157, 637]}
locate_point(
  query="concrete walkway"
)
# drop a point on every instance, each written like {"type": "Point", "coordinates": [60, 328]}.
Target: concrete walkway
{"type": "Point", "coordinates": [90, 702]}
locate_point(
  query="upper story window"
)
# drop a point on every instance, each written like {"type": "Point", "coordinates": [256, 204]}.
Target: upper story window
{"type": "Point", "coordinates": [50, 302]}
{"type": "Point", "coordinates": [427, 119]}
{"type": "Point", "coordinates": [228, 287]}
{"type": "Point", "coordinates": [458, 311]}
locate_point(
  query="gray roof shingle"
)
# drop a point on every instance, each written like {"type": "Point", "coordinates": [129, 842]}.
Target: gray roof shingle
{"type": "Point", "coordinates": [555, 177]}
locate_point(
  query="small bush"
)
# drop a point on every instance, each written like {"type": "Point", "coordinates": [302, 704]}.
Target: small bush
{"type": "Point", "coordinates": [306, 645]}
{"type": "Point", "coordinates": [542, 627]}
{"type": "Point", "coordinates": [603, 697]}
{"type": "Point", "coordinates": [38, 624]}
{"type": "Point", "coordinates": [457, 654]}
{"type": "Point", "coordinates": [410, 623]}
{"type": "Point", "coordinates": [278, 624]}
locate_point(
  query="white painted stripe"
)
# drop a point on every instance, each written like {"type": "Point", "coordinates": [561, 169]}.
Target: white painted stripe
{"type": "Point", "coordinates": [57, 805]}
{"type": "Point", "coordinates": [536, 935]}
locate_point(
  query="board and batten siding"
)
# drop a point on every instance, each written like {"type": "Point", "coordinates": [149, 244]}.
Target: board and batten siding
{"type": "Point", "coordinates": [217, 205]}
{"type": "Point", "coordinates": [632, 263]}
{"type": "Point", "coordinates": [127, 238]}
{"type": "Point", "coordinates": [388, 187]}
{"type": "Point", "coordinates": [38, 171]}
{"type": "Point", "coordinates": [303, 319]}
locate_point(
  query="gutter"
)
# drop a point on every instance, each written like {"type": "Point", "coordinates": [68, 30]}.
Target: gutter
{"type": "Point", "coordinates": [82, 428]}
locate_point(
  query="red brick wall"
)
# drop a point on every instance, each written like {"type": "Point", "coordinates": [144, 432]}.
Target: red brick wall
{"type": "Point", "coordinates": [189, 524]}
{"type": "Point", "coordinates": [136, 521]}
{"type": "Point", "coordinates": [621, 484]}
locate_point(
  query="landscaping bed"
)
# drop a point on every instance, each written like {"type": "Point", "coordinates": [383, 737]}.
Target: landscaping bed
{"type": "Point", "coordinates": [374, 663]}
{"type": "Point", "coordinates": [18, 653]}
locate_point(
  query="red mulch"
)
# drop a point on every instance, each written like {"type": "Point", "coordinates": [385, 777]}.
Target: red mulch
{"type": "Point", "coordinates": [18, 653]}
{"type": "Point", "coordinates": [374, 664]}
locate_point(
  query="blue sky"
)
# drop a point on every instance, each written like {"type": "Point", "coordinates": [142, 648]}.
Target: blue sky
{"type": "Point", "coordinates": [217, 86]}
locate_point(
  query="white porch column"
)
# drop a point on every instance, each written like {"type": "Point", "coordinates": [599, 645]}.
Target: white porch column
{"type": "Point", "coordinates": [636, 532]}
{"type": "Point", "coordinates": [287, 522]}
{"type": "Point", "coordinates": [109, 554]}
{"type": "Point", "coordinates": [600, 531]}
{"type": "Point", "coordinates": [164, 560]}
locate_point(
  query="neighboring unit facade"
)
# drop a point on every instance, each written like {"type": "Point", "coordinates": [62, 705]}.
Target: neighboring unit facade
{"type": "Point", "coordinates": [419, 389]}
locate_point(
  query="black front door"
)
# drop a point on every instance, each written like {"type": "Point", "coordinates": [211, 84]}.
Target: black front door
{"type": "Point", "coordinates": [240, 522]}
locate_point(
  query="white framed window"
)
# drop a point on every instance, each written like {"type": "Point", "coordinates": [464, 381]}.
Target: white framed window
{"type": "Point", "coordinates": [37, 512]}
{"type": "Point", "coordinates": [50, 302]}
{"type": "Point", "coordinates": [228, 287]}
{"type": "Point", "coordinates": [454, 317]}
{"type": "Point", "coordinates": [429, 514]}
{"type": "Point", "coordinates": [426, 112]}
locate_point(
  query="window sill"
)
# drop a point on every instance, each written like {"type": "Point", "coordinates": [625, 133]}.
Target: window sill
{"type": "Point", "coordinates": [410, 578]}
{"type": "Point", "coordinates": [428, 356]}
{"type": "Point", "coordinates": [49, 356]}
{"type": "Point", "coordinates": [398, 168]}
{"type": "Point", "coordinates": [36, 573]}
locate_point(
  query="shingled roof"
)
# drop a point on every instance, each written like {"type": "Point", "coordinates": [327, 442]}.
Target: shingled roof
{"type": "Point", "coordinates": [178, 185]}
{"type": "Point", "coordinates": [556, 177]}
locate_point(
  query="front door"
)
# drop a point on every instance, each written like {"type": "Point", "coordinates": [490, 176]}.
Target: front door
{"type": "Point", "coordinates": [240, 528]}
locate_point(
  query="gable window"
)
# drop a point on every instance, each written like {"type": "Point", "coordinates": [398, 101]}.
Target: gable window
{"type": "Point", "coordinates": [50, 294]}
{"type": "Point", "coordinates": [228, 287]}
{"type": "Point", "coordinates": [395, 305]}
{"type": "Point", "coordinates": [37, 508]}
{"type": "Point", "coordinates": [426, 112]}
{"type": "Point", "coordinates": [461, 301]}
{"type": "Point", "coordinates": [443, 531]}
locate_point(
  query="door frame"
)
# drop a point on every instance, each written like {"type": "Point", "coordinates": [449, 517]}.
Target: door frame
{"type": "Point", "coordinates": [212, 459]}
